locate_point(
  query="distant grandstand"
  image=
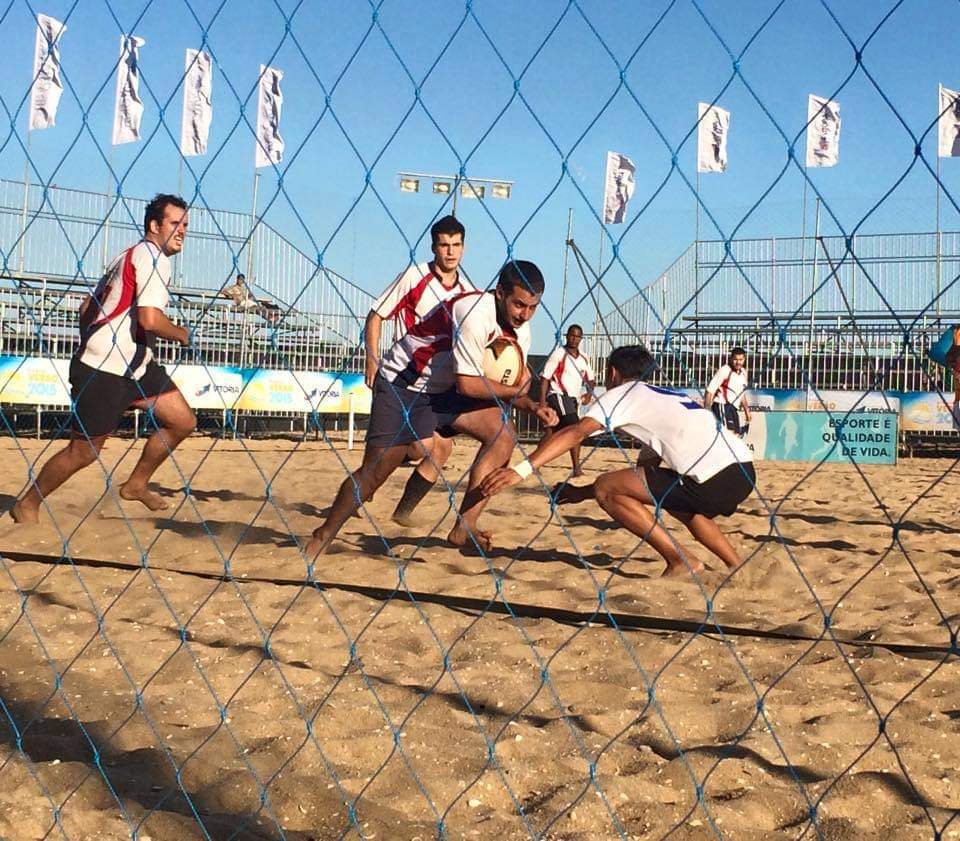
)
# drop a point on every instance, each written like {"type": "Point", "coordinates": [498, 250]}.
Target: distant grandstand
{"type": "Point", "coordinates": [808, 314]}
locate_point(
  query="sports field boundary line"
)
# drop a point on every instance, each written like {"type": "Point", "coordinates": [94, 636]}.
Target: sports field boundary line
{"type": "Point", "coordinates": [471, 604]}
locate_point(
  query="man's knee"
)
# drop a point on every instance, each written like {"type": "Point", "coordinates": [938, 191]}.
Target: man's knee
{"type": "Point", "coordinates": [442, 447]}
{"type": "Point", "coordinates": [83, 451]}
{"type": "Point", "coordinates": [185, 425]}
{"type": "Point", "coordinates": [603, 490]}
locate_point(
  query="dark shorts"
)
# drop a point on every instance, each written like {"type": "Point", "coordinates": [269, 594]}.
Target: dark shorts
{"type": "Point", "coordinates": [100, 398]}
{"type": "Point", "coordinates": [719, 496]}
{"type": "Point", "coordinates": [566, 408]}
{"type": "Point", "coordinates": [727, 415]}
{"type": "Point", "coordinates": [401, 416]}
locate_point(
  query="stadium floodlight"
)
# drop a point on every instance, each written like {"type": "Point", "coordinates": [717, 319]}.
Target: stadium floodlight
{"type": "Point", "coordinates": [457, 186]}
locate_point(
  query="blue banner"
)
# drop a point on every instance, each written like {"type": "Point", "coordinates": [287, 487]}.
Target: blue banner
{"type": "Point", "coordinates": [861, 437]}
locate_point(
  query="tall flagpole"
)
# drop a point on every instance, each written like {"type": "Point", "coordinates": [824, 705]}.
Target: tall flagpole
{"type": "Point", "coordinates": [26, 199]}
{"type": "Point", "coordinates": [813, 293]}
{"type": "Point", "coordinates": [566, 260]}
{"type": "Point", "coordinates": [939, 247]}
{"type": "Point", "coordinates": [696, 253]}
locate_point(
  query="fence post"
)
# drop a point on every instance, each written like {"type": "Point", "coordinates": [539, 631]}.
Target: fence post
{"type": "Point", "coordinates": [350, 429]}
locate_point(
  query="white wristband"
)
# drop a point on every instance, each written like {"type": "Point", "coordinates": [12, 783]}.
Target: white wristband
{"type": "Point", "coordinates": [523, 469]}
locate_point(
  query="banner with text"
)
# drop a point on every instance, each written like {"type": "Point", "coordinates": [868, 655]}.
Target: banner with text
{"type": "Point", "coordinates": [861, 437]}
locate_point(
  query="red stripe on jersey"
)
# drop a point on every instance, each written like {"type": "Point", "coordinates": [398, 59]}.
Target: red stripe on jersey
{"type": "Point", "coordinates": [406, 307]}
{"type": "Point", "coordinates": [129, 287]}
{"type": "Point", "coordinates": [438, 327]}
{"type": "Point", "coordinates": [558, 373]}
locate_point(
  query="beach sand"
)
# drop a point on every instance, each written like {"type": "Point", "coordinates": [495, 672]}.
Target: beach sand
{"type": "Point", "coordinates": [190, 667]}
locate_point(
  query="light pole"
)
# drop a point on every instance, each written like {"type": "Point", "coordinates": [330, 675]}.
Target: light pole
{"type": "Point", "coordinates": [467, 187]}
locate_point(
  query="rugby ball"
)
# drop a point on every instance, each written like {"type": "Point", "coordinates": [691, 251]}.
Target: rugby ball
{"type": "Point", "coordinates": [503, 361]}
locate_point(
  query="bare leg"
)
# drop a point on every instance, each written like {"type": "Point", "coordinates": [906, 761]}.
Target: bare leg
{"type": "Point", "coordinates": [434, 454]}
{"type": "Point", "coordinates": [378, 464]}
{"type": "Point", "coordinates": [708, 533]}
{"type": "Point", "coordinates": [79, 453]}
{"type": "Point", "coordinates": [498, 439]}
{"type": "Point", "coordinates": [177, 421]}
{"type": "Point", "coordinates": [575, 460]}
{"type": "Point", "coordinates": [624, 496]}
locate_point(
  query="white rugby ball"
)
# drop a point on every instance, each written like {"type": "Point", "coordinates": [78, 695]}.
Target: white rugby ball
{"type": "Point", "coordinates": [503, 361]}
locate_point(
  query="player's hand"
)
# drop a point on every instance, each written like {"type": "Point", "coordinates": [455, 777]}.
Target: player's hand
{"type": "Point", "coordinates": [499, 480]}
{"type": "Point", "coordinates": [547, 416]}
{"type": "Point", "coordinates": [585, 399]}
{"type": "Point", "coordinates": [370, 373]}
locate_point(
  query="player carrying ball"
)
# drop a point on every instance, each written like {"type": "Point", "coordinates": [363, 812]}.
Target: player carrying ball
{"type": "Point", "coordinates": [708, 470]}
{"type": "Point", "coordinates": [432, 380]}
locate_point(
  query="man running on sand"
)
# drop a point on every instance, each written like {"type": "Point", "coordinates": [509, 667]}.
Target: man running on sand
{"type": "Point", "coordinates": [432, 380]}
{"type": "Point", "coordinates": [708, 473]}
{"type": "Point", "coordinates": [114, 370]}
{"type": "Point", "coordinates": [414, 293]}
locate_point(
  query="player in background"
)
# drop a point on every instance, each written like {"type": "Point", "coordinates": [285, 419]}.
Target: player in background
{"type": "Point", "coordinates": [726, 393]}
{"type": "Point", "coordinates": [414, 293]}
{"type": "Point", "coordinates": [432, 381]}
{"type": "Point", "coordinates": [707, 471]}
{"type": "Point", "coordinates": [567, 380]}
{"type": "Point", "coordinates": [114, 368]}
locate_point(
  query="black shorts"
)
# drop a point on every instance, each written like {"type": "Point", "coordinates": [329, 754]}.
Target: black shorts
{"type": "Point", "coordinates": [100, 398]}
{"type": "Point", "coordinates": [399, 415]}
{"type": "Point", "coordinates": [728, 415]}
{"type": "Point", "coordinates": [566, 408]}
{"type": "Point", "coordinates": [718, 496]}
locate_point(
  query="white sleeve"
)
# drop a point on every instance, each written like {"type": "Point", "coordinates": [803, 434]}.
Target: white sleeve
{"type": "Point", "coordinates": [469, 338]}
{"type": "Point", "coordinates": [153, 275]}
{"type": "Point", "coordinates": [722, 373]}
{"type": "Point", "coordinates": [610, 408]}
{"type": "Point", "coordinates": [386, 305]}
{"type": "Point", "coordinates": [550, 366]}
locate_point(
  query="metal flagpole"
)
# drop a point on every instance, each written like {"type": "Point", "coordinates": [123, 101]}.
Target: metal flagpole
{"type": "Point", "coordinates": [26, 199]}
{"type": "Point", "coordinates": [939, 248]}
{"type": "Point", "coordinates": [813, 293]}
{"type": "Point", "coordinates": [696, 253]}
{"type": "Point", "coordinates": [566, 260]}
{"type": "Point", "coordinates": [108, 210]}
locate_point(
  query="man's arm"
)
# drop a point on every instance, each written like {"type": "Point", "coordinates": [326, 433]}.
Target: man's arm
{"type": "Point", "coordinates": [371, 340]}
{"type": "Point", "coordinates": [549, 450]}
{"type": "Point", "coordinates": [155, 321]}
{"type": "Point", "coordinates": [544, 390]}
{"type": "Point", "coordinates": [587, 397]}
{"type": "Point", "coordinates": [480, 388]}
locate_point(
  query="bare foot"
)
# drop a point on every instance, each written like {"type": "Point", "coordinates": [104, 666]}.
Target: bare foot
{"type": "Point", "coordinates": [460, 536]}
{"type": "Point", "coordinates": [316, 545]}
{"type": "Point", "coordinates": [144, 495]}
{"type": "Point", "coordinates": [24, 513]}
{"type": "Point", "coordinates": [681, 570]}
{"type": "Point", "coordinates": [405, 520]}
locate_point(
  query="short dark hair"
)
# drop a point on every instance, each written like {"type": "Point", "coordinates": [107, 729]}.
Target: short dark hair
{"type": "Point", "coordinates": [449, 225]}
{"type": "Point", "coordinates": [157, 207]}
{"type": "Point", "coordinates": [241, 276]}
{"type": "Point", "coordinates": [575, 327]}
{"type": "Point", "coordinates": [734, 351]}
{"type": "Point", "coordinates": [521, 273]}
{"type": "Point", "coordinates": [633, 362]}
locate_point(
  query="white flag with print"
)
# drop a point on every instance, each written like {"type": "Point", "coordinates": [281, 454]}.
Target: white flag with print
{"type": "Point", "coordinates": [128, 108]}
{"type": "Point", "coordinates": [712, 130]}
{"type": "Point", "coordinates": [948, 127]}
{"type": "Point", "coordinates": [619, 185]}
{"type": "Point", "coordinates": [823, 131]}
{"type": "Point", "coordinates": [269, 105]}
{"type": "Point", "coordinates": [47, 86]}
{"type": "Point", "coordinates": [197, 103]}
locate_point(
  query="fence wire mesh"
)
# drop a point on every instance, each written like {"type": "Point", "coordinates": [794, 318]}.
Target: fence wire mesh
{"type": "Point", "coordinates": [192, 668]}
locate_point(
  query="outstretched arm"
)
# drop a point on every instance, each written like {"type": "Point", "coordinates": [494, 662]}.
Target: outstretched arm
{"type": "Point", "coordinates": [550, 450]}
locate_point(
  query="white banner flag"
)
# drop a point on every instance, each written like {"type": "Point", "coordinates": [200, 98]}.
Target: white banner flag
{"type": "Point", "coordinates": [269, 105]}
{"type": "Point", "coordinates": [197, 103]}
{"type": "Point", "coordinates": [47, 85]}
{"type": "Point", "coordinates": [128, 108]}
{"type": "Point", "coordinates": [823, 131]}
{"type": "Point", "coordinates": [618, 188]}
{"type": "Point", "coordinates": [712, 133]}
{"type": "Point", "coordinates": [949, 124]}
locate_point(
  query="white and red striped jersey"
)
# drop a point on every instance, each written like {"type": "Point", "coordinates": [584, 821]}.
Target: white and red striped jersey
{"type": "Point", "coordinates": [111, 338]}
{"type": "Point", "coordinates": [568, 374]}
{"type": "Point", "coordinates": [414, 293]}
{"type": "Point", "coordinates": [728, 386]}
{"type": "Point", "coordinates": [449, 341]}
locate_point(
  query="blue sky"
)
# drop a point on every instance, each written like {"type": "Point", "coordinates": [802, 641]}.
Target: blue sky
{"type": "Point", "coordinates": [570, 103]}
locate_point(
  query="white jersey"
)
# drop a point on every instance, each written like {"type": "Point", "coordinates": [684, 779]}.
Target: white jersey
{"type": "Point", "coordinates": [111, 338]}
{"type": "Point", "coordinates": [449, 341]}
{"type": "Point", "coordinates": [414, 293]}
{"type": "Point", "coordinates": [568, 374]}
{"type": "Point", "coordinates": [728, 386]}
{"type": "Point", "coordinates": [683, 434]}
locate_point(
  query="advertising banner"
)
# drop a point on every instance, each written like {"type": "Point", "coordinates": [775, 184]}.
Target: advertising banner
{"type": "Point", "coordinates": [208, 387]}
{"type": "Point", "coordinates": [927, 411]}
{"type": "Point", "coordinates": [302, 391]}
{"type": "Point", "coordinates": [861, 437]}
{"type": "Point", "coordinates": [34, 382]}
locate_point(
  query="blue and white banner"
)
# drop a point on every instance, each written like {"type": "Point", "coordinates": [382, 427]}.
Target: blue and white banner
{"type": "Point", "coordinates": [861, 437]}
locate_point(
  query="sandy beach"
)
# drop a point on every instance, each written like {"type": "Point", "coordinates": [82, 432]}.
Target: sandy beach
{"type": "Point", "coordinates": [188, 675]}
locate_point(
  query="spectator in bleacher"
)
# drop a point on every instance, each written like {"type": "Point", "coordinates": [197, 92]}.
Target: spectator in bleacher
{"type": "Point", "coordinates": [414, 293]}
{"type": "Point", "coordinates": [726, 392]}
{"type": "Point", "coordinates": [243, 299]}
{"type": "Point", "coordinates": [114, 369]}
